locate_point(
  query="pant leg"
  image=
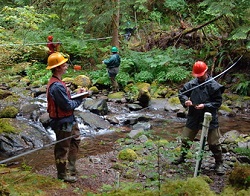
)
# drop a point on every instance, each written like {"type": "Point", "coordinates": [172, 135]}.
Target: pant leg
{"type": "Point", "coordinates": [114, 84]}
{"type": "Point", "coordinates": [188, 136]}
{"type": "Point", "coordinates": [214, 144]}
{"type": "Point", "coordinates": [61, 151]}
{"type": "Point", "coordinates": [74, 150]}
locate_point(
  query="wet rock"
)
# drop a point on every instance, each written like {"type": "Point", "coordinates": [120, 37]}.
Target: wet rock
{"type": "Point", "coordinates": [97, 106]}
{"type": "Point", "coordinates": [230, 136]}
{"type": "Point", "coordinates": [30, 110]}
{"type": "Point", "coordinates": [133, 133]}
{"type": "Point", "coordinates": [142, 125]}
{"type": "Point", "coordinates": [112, 119]}
{"type": "Point", "coordinates": [93, 120]}
{"type": "Point", "coordinates": [134, 107]}
{"type": "Point", "coordinates": [29, 138]}
{"type": "Point", "coordinates": [35, 92]}
{"type": "Point", "coordinates": [144, 95]}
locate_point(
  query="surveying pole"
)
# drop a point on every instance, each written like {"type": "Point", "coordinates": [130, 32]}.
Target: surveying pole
{"type": "Point", "coordinates": [205, 127]}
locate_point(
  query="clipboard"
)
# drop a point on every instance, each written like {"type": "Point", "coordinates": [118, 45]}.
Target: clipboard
{"type": "Point", "coordinates": [79, 95]}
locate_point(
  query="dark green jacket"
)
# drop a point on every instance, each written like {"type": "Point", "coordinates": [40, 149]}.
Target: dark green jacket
{"type": "Point", "coordinates": [114, 61]}
{"type": "Point", "coordinates": [210, 94]}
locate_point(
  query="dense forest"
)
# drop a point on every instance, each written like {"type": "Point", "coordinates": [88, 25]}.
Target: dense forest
{"type": "Point", "coordinates": [165, 39]}
{"type": "Point", "coordinates": [158, 41]}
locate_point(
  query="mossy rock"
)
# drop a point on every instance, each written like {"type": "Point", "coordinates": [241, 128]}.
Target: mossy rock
{"type": "Point", "coordinates": [82, 81]}
{"type": "Point", "coordinates": [94, 90]}
{"type": "Point", "coordinates": [117, 95]}
{"type": "Point", "coordinates": [68, 80]}
{"type": "Point", "coordinates": [7, 126]}
{"type": "Point", "coordinates": [4, 93]}
{"type": "Point", "coordinates": [225, 108]}
{"type": "Point", "coordinates": [127, 154]}
{"type": "Point", "coordinates": [9, 112]}
{"type": "Point", "coordinates": [174, 101]}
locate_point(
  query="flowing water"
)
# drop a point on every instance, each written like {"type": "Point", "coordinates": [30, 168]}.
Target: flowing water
{"type": "Point", "coordinates": [165, 124]}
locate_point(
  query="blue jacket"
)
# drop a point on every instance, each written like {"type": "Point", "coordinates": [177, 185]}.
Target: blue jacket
{"type": "Point", "coordinates": [114, 61]}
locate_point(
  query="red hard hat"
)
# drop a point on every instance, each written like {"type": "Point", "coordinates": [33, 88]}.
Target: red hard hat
{"type": "Point", "coordinates": [199, 69]}
{"type": "Point", "coordinates": [50, 37]}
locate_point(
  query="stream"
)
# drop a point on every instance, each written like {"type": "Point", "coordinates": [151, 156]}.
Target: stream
{"type": "Point", "coordinates": [165, 125]}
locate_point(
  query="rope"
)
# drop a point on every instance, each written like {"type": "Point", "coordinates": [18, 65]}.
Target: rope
{"type": "Point", "coordinates": [34, 150]}
{"type": "Point", "coordinates": [213, 77]}
{"type": "Point", "coordinates": [45, 43]}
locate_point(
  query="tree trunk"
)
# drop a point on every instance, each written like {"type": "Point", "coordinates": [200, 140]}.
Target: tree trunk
{"type": "Point", "coordinates": [115, 21]}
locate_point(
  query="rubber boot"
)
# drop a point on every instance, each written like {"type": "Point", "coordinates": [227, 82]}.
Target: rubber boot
{"type": "Point", "coordinates": [62, 174]}
{"type": "Point", "coordinates": [216, 150]}
{"type": "Point", "coordinates": [72, 167]}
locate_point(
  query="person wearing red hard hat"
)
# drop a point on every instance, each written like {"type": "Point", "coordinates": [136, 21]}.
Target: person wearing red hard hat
{"type": "Point", "coordinates": [198, 99]}
{"type": "Point", "coordinates": [61, 112]}
{"type": "Point", "coordinates": [53, 47]}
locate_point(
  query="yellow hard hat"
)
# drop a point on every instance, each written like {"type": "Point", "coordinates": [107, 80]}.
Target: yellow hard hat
{"type": "Point", "coordinates": [55, 59]}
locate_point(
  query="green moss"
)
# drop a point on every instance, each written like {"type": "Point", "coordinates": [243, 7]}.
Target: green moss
{"type": "Point", "coordinates": [234, 191]}
{"type": "Point", "coordinates": [94, 89]}
{"type": "Point", "coordinates": [127, 154]}
{"type": "Point", "coordinates": [117, 95]}
{"type": "Point", "coordinates": [9, 112]}
{"type": "Point", "coordinates": [26, 183]}
{"type": "Point", "coordinates": [174, 100]}
{"type": "Point", "coordinates": [192, 186]}
{"type": "Point", "coordinates": [225, 108]}
{"type": "Point", "coordinates": [6, 126]}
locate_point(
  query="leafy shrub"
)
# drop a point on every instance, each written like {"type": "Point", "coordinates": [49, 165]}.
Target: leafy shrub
{"type": "Point", "coordinates": [38, 74]}
{"type": "Point", "coordinates": [242, 87]}
{"type": "Point", "coordinates": [177, 74]}
{"type": "Point", "coordinates": [144, 76]}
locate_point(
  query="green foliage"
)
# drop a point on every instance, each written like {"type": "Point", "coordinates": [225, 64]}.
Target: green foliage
{"type": "Point", "coordinates": [99, 77]}
{"type": "Point", "coordinates": [177, 74]}
{"type": "Point", "coordinates": [123, 78]}
{"type": "Point", "coordinates": [144, 76]}
{"type": "Point", "coordinates": [243, 85]}
{"type": "Point", "coordinates": [177, 5]}
{"type": "Point", "coordinates": [21, 19]}
{"type": "Point", "coordinates": [242, 151]}
{"type": "Point", "coordinates": [38, 74]}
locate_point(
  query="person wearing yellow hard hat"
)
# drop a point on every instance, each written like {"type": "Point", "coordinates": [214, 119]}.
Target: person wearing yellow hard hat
{"type": "Point", "coordinates": [60, 108]}
{"type": "Point", "coordinates": [202, 94]}
{"type": "Point", "coordinates": [113, 64]}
